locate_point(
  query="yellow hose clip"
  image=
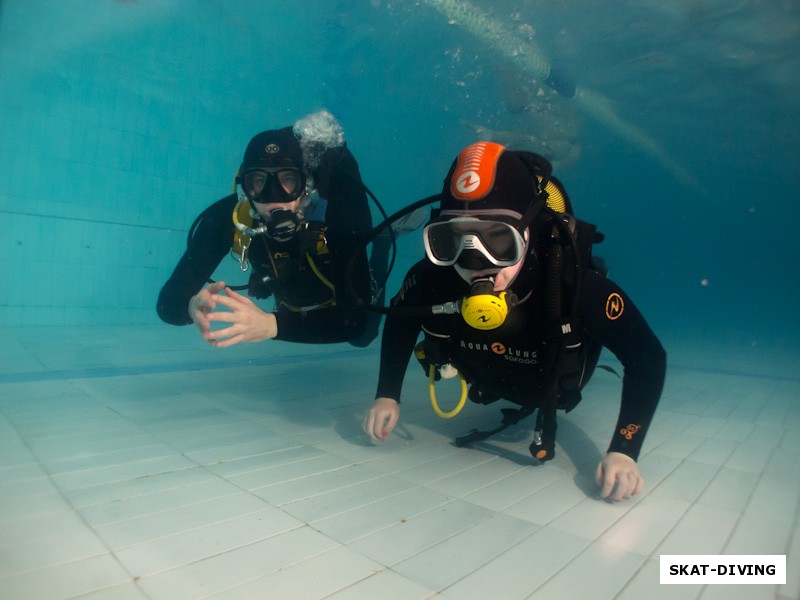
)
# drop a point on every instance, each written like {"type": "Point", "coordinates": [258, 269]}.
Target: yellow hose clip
{"type": "Point", "coordinates": [435, 404]}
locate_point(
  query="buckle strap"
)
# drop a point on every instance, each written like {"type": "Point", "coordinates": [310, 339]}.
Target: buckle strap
{"type": "Point", "coordinates": [511, 416]}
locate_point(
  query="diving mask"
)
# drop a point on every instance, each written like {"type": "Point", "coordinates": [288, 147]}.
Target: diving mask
{"type": "Point", "coordinates": [497, 240]}
{"type": "Point", "coordinates": [273, 185]}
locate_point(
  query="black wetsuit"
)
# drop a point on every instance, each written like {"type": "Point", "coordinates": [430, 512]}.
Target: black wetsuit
{"type": "Point", "coordinates": [294, 284]}
{"type": "Point", "coordinates": [517, 360]}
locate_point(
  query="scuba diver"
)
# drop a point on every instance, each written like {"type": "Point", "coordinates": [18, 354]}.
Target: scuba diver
{"type": "Point", "coordinates": [298, 213]}
{"type": "Point", "coordinates": [510, 297]}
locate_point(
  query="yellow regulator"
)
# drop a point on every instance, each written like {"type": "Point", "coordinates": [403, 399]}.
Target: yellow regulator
{"type": "Point", "coordinates": [485, 311]}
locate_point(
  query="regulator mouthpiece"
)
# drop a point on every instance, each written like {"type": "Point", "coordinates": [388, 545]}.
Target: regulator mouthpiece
{"type": "Point", "coordinates": [282, 225]}
{"type": "Point", "coordinates": [484, 308]}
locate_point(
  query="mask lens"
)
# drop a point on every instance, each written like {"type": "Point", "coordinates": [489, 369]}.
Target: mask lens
{"type": "Point", "coordinates": [443, 241]}
{"type": "Point", "coordinates": [266, 186]}
{"type": "Point", "coordinates": [254, 183]}
{"type": "Point", "coordinates": [290, 182]}
{"type": "Point", "coordinates": [499, 240]}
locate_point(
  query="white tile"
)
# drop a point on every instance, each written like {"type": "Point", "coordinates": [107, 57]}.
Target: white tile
{"type": "Point", "coordinates": [646, 584]}
{"type": "Point", "coordinates": [281, 455]}
{"type": "Point", "coordinates": [415, 534]}
{"type": "Point", "coordinates": [790, 439]}
{"type": "Point", "coordinates": [46, 419]}
{"type": "Point", "coordinates": [761, 534]}
{"type": "Point", "coordinates": [730, 489]}
{"type": "Point", "coordinates": [582, 455]}
{"type": "Point", "coordinates": [456, 557]}
{"type": "Point", "coordinates": [773, 414]}
{"type": "Point", "coordinates": [576, 427]}
{"type": "Point", "coordinates": [590, 517]}
{"type": "Point", "coordinates": [670, 422]}
{"type": "Point", "coordinates": [735, 431]}
{"type": "Point", "coordinates": [643, 527]}
{"type": "Point", "coordinates": [212, 539]}
{"type": "Point", "coordinates": [317, 577]}
{"type": "Point", "coordinates": [175, 518]}
{"type": "Point", "coordinates": [705, 426]}
{"type": "Point", "coordinates": [777, 493]}
{"type": "Point", "coordinates": [686, 482]}
{"type": "Point", "coordinates": [782, 464]}
{"type": "Point", "coordinates": [599, 573]}
{"type": "Point", "coordinates": [714, 452]}
{"type": "Point", "coordinates": [233, 567]}
{"type": "Point", "coordinates": [127, 591]}
{"type": "Point", "coordinates": [356, 447]}
{"type": "Point", "coordinates": [16, 529]}
{"type": "Point", "coordinates": [679, 445]}
{"type": "Point", "coordinates": [75, 480]}
{"type": "Point", "coordinates": [66, 580]}
{"type": "Point", "coordinates": [98, 459]}
{"type": "Point", "coordinates": [70, 541]}
{"type": "Point", "coordinates": [433, 470]}
{"type": "Point", "coordinates": [386, 585]}
{"type": "Point", "coordinates": [739, 592]}
{"type": "Point", "coordinates": [15, 505]}
{"type": "Point", "coordinates": [656, 468]}
{"type": "Point", "coordinates": [398, 456]}
{"type": "Point", "coordinates": [141, 486]}
{"type": "Point", "coordinates": [157, 501]}
{"type": "Point", "coordinates": [749, 410]}
{"type": "Point", "coordinates": [207, 450]}
{"type": "Point", "coordinates": [316, 484]}
{"type": "Point", "coordinates": [749, 456]}
{"type": "Point", "coordinates": [281, 473]}
{"type": "Point", "coordinates": [792, 587]}
{"type": "Point", "coordinates": [15, 457]}
{"type": "Point", "coordinates": [520, 570]}
{"type": "Point", "coordinates": [348, 498]}
{"type": "Point", "coordinates": [23, 482]}
{"type": "Point", "coordinates": [476, 477]}
{"type": "Point", "coordinates": [549, 502]}
{"type": "Point", "coordinates": [378, 516]}
{"type": "Point", "coordinates": [505, 492]}
{"type": "Point", "coordinates": [702, 530]}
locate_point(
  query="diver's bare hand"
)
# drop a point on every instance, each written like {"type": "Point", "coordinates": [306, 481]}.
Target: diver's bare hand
{"type": "Point", "coordinates": [381, 418]}
{"type": "Point", "coordinates": [203, 303]}
{"type": "Point", "coordinates": [248, 323]}
{"type": "Point", "coordinates": [618, 477]}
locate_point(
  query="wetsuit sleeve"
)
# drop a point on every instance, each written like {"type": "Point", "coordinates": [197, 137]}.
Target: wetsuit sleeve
{"type": "Point", "coordinates": [322, 326]}
{"type": "Point", "coordinates": [348, 223]}
{"type": "Point", "coordinates": [209, 243]}
{"type": "Point", "coordinates": [400, 335]}
{"type": "Point", "coordinates": [611, 318]}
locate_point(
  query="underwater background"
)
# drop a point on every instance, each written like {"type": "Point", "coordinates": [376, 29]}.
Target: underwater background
{"type": "Point", "coordinates": [676, 132]}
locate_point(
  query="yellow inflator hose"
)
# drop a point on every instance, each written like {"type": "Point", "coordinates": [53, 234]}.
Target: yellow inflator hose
{"type": "Point", "coordinates": [435, 404]}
